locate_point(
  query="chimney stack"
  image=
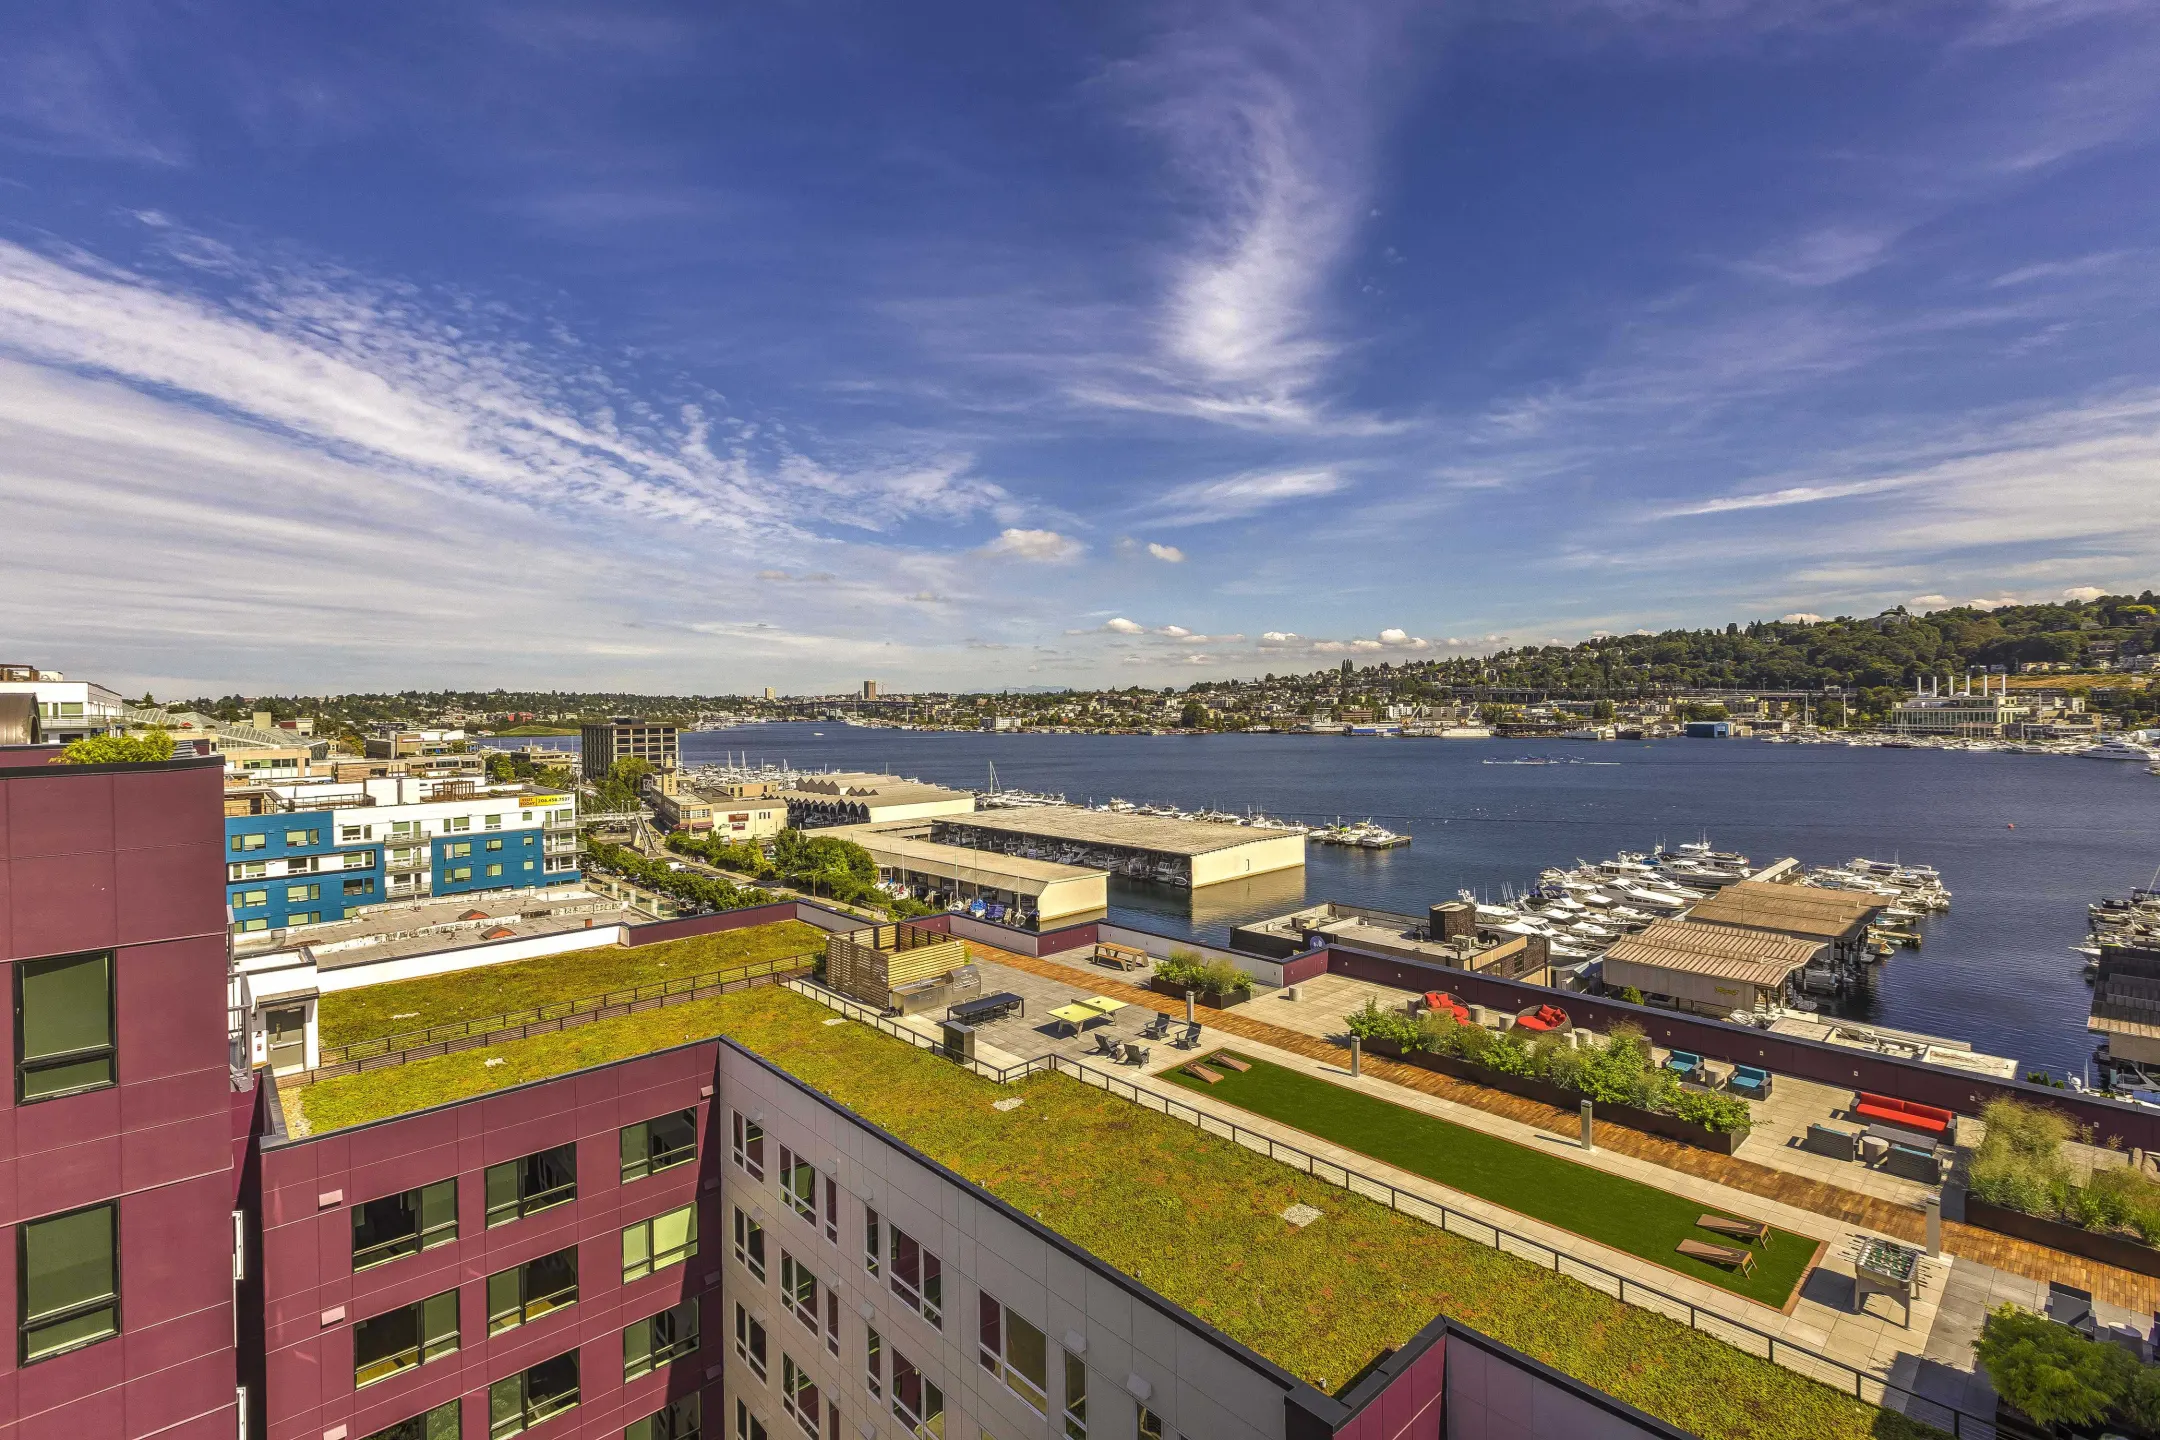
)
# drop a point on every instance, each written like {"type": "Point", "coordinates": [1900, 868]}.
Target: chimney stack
{"type": "Point", "coordinates": [1457, 918]}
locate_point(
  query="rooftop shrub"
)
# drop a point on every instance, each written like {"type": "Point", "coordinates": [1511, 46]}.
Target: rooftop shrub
{"type": "Point", "coordinates": [144, 749]}
{"type": "Point", "coordinates": [2052, 1373]}
{"type": "Point", "coordinates": [1186, 968]}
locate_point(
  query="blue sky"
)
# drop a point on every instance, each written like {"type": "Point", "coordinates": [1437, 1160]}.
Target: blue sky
{"type": "Point", "coordinates": [699, 348]}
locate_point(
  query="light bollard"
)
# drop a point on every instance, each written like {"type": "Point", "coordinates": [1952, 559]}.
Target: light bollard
{"type": "Point", "coordinates": [1188, 1007]}
{"type": "Point", "coordinates": [1589, 1139]}
{"type": "Point", "coordinates": [1357, 1052]}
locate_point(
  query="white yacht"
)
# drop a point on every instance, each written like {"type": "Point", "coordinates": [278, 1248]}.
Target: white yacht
{"type": "Point", "coordinates": [2118, 749]}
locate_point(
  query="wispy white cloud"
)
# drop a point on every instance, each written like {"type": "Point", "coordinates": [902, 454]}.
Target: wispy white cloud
{"type": "Point", "coordinates": [1202, 502]}
{"type": "Point", "coordinates": [1268, 115]}
{"type": "Point", "coordinates": [1168, 554]}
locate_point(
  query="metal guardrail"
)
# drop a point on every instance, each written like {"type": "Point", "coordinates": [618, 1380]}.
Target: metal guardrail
{"type": "Point", "coordinates": [1863, 1386]}
{"type": "Point", "coordinates": [370, 1053]}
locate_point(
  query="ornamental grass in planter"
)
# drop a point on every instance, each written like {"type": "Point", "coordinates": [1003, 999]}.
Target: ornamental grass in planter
{"type": "Point", "coordinates": [1617, 1073]}
{"type": "Point", "coordinates": [1218, 982]}
{"type": "Point", "coordinates": [2019, 1165]}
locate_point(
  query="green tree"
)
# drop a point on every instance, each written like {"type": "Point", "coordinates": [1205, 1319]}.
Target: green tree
{"type": "Point", "coordinates": [1193, 716]}
{"type": "Point", "coordinates": [147, 748]}
{"type": "Point", "coordinates": [2049, 1371]}
{"type": "Point", "coordinates": [1601, 710]}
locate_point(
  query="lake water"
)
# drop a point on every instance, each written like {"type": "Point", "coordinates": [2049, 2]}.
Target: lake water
{"type": "Point", "coordinates": [2024, 842]}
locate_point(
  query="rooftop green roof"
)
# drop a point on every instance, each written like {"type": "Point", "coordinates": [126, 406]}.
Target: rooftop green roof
{"type": "Point", "coordinates": [371, 1012]}
{"type": "Point", "coordinates": [1195, 1217]}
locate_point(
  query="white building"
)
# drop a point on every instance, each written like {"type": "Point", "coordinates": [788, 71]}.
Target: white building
{"type": "Point", "coordinates": [1963, 713]}
{"type": "Point", "coordinates": [67, 709]}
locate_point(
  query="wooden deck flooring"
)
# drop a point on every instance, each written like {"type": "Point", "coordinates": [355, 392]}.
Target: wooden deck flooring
{"type": "Point", "coordinates": [2004, 1252]}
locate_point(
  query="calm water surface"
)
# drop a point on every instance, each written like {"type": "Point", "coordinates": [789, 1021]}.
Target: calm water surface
{"type": "Point", "coordinates": [1997, 970]}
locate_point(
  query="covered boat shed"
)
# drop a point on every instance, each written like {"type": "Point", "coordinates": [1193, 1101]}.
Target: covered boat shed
{"type": "Point", "coordinates": [1707, 969]}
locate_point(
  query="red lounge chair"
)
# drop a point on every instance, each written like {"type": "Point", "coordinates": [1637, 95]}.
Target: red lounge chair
{"type": "Point", "coordinates": [1441, 1000]}
{"type": "Point", "coordinates": [1930, 1120]}
{"type": "Point", "coordinates": [1545, 1017]}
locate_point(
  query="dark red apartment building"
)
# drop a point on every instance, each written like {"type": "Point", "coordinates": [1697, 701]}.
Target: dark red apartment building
{"type": "Point", "coordinates": [117, 1172]}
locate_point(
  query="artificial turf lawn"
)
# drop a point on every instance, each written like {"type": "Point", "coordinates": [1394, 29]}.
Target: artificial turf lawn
{"type": "Point", "coordinates": [1595, 1204]}
{"type": "Point", "coordinates": [1193, 1216]}
{"type": "Point", "coordinates": [402, 1006]}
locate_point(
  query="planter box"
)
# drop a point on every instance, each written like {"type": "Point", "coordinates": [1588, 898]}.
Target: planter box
{"type": "Point", "coordinates": [1204, 999]}
{"type": "Point", "coordinates": [1650, 1122]}
{"type": "Point", "coordinates": [2116, 1250]}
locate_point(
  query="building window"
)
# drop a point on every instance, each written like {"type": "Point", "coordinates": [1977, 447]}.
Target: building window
{"type": "Point", "coordinates": [356, 859]}
{"type": "Point", "coordinates": [251, 925]}
{"type": "Point", "coordinates": [916, 1402]}
{"type": "Point", "coordinates": [517, 1188]}
{"type": "Point", "coordinates": [660, 1340]}
{"type": "Point", "coordinates": [459, 875]}
{"type": "Point", "coordinates": [457, 850]}
{"type": "Point", "coordinates": [301, 894]}
{"type": "Point", "coordinates": [524, 1293]}
{"type": "Point", "coordinates": [359, 887]}
{"type": "Point", "coordinates": [494, 844]}
{"type": "Point", "coordinates": [252, 870]}
{"type": "Point", "coordinates": [750, 1341]}
{"type": "Point", "coordinates": [494, 872]}
{"type": "Point", "coordinates": [750, 1244]}
{"type": "Point", "coordinates": [798, 1184]}
{"type": "Point", "coordinates": [874, 1365]}
{"type": "Point", "coordinates": [832, 1321]}
{"type": "Point", "coordinates": [917, 1278]}
{"type": "Point", "coordinates": [68, 1281]}
{"type": "Point", "coordinates": [1015, 1352]}
{"type": "Point", "coordinates": [832, 1210]}
{"type": "Point", "coordinates": [294, 921]}
{"type": "Point", "coordinates": [677, 1421]}
{"type": "Point", "coordinates": [303, 837]}
{"type": "Point", "coordinates": [749, 1145]}
{"type": "Point", "coordinates": [248, 899]}
{"type": "Point", "coordinates": [1150, 1425]}
{"type": "Point", "coordinates": [63, 1026]}
{"type": "Point", "coordinates": [494, 822]}
{"type": "Point", "coordinates": [798, 1290]}
{"type": "Point", "coordinates": [440, 1423]}
{"type": "Point", "coordinates": [832, 1419]}
{"type": "Point", "coordinates": [1075, 1397]}
{"type": "Point", "coordinates": [657, 1243]}
{"type": "Point", "coordinates": [404, 1224]}
{"type": "Point", "coordinates": [525, 1399]}
{"type": "Point", "coordinates": [747, 1426]}
{"type": "Point", "coordinates": [249, 841]}
{"type": "Point", "coordinates": [405, 1338]}
{"type": "Point", "coordinates": [651, 1146]}
{"type": "Point", "coordinates": [871, 1249]}
{"type": "Point", "coordinates": [457, 824]}
{"type": "Point", "coordinates": [799, 1396]}
{"type": "Point", "coordinates": [349, 832]}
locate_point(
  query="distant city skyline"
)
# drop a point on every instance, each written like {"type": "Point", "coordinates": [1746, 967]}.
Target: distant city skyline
{"type": "Point", "coordinates": [643, 348]}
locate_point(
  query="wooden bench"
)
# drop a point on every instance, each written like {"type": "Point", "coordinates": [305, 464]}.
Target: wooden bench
{"type": "Point", "coordinates": [1752, 1231]}
{"type": "Point", "coordinates": [1201, 1072]}
{"type": "Point", "coordinates": [1725, 1255]}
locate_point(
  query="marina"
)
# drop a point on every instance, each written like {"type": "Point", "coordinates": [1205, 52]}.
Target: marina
{"type": "Point", "coordinates": [2025, 842]}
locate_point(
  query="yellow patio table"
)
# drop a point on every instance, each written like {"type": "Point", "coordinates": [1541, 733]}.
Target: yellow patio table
{"type": "Point", "coordinates": [1076, 1014]}
{"type": "Point", "coordinates": [1103, 1005]}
